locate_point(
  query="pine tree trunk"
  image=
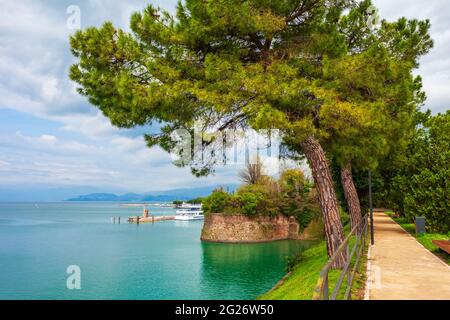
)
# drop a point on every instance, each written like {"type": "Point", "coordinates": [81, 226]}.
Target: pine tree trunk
{"type": "Point", "coordinates": [334, 232]}
{"type": "Point", "coordinates": [351, 196]}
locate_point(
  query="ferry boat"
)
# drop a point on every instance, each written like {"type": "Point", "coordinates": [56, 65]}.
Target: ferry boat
{"type": "Point", "coordinates": [188, 212]}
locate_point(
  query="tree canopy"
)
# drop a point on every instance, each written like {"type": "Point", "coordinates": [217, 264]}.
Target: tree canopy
{"type": "Point", "coordinates": [421, 182]}
{"type": "Point", "coordinates": [224, 63]}
{"type": "Point", "coordinates": [375, 93]}
{"type": "Point", "coordinates": [310, 68]}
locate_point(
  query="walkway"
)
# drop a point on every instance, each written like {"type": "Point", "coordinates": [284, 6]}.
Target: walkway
{"type": "Point", "coordinates": [400, 268]}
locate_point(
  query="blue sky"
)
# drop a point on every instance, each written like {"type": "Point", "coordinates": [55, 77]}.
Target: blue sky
{"type": "Point", "coordinates": [52, 137]}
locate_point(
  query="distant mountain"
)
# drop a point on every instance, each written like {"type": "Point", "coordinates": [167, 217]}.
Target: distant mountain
{"type": "Point", "coordinates": [161, 196]}
{"type": "Point", "coordinates": [97, 197]}
{"type": "Point", "coordinates": [129, 197]}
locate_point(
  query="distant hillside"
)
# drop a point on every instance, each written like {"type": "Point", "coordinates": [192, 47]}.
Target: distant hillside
{"type": "Point", "coordinates": [161, 196]}
{"type": "Point", "coordinates": [96, 197]}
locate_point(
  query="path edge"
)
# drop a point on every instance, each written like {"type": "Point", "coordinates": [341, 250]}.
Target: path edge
{"type": "Point", "coordinates": [368, 273]}
{"type": "Point", "coordinates": [415, 239]}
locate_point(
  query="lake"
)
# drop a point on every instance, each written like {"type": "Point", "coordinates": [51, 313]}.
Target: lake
{"type": "Point", "coordinates": [165, 260]}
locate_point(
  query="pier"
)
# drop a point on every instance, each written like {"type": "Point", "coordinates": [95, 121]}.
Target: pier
{"type": "Point", "coordinates": [151, 219]}
{"type": "Point", "coordinates": [144, 218]}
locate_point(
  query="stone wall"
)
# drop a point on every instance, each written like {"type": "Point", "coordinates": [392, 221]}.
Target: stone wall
{"type": "Point", "coordinates": [243, 229]}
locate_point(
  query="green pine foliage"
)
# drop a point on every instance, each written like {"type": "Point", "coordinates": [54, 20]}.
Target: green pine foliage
{"type": "Point", "coordinates": [422, 183]}
{"type": "Point", "coordinates": [311, 68]}
{"type": "Point", "coordinates": [226, 64]}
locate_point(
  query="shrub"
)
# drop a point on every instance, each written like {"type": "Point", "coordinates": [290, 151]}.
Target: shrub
{"type": "Point", "coordinates": [249, 202]}
{"type": "Point", "coordinates": [195, 201]}
{"type": "Point", "coordinates": [298, 198]}
{"type": "Point", "coordinates": [291, 195]}
{"type": "Point", "coordinates": [259, 199]}
{"type": "Point", "coordinates": [424, 178]}
{"type": "Point", "coordinates": [216, 202]}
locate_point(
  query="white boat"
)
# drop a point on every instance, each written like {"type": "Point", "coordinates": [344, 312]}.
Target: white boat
{"type": "Point", "coordinates": [189, 212]}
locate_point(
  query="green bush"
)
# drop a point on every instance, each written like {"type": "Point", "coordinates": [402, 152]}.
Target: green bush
{"type": "Point", "coordinates": [258, 199]}
{"type": "Point", "coordinates": [291, 195]}
{"type": "Point", "coordinates": [424, 178]}
{"type": "Point", "coordinates": [249, 203]}
{"type": "Point", "coordinates": [195, 201]}
{"type": "Point", "coordinates": [298, 197]}
{"type": "Point", "coordinates": [216, 202]}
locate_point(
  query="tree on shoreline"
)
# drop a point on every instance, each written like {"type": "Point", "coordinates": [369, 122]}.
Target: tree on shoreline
{"type": "Point", "coordinates": [376, 78]}
{"type": "Point", "coordinates": [226, 64]}
{"type": "Point", "coordinates": [254, 64]}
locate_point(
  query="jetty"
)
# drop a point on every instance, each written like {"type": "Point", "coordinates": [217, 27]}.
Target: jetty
{"type": "Point", "coordinates": [150, 219]}
{"type": "Point", "coordinates": [147, 218]}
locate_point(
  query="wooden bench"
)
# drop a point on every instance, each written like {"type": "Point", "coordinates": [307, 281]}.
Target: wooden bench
{"type": "Point", "coordinates": [443, 245]}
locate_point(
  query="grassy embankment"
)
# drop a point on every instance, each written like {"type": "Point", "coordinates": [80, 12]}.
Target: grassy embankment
{"type": "Point", "coordinates": [425, 239]}
{"type": "Point", "coordinates": [300, 283]}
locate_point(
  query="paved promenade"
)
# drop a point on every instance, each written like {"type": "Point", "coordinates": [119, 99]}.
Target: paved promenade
{"type": "Point", "coordinates": [400, 268]}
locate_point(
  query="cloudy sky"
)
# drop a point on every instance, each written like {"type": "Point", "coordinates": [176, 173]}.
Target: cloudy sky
{"type": "Point", "coordinates": [50, 136]}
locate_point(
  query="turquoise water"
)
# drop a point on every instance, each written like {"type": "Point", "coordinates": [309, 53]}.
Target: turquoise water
{"type": "Point", "coordinates": [166, 260]}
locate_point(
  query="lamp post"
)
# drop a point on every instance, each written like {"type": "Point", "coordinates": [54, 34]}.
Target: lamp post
{"type": "Point", "coordinates": [372, 239]}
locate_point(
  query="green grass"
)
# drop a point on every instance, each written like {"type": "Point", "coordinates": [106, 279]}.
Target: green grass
{"type": "Point", "coordinates": [425, 239]}
{"type": "Point", "coordinates": [301, 282]}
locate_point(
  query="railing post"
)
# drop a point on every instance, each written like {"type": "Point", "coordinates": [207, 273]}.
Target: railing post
{"type": "Point", "coordinates": [350, 261]}
{"type": "Point", "coordinates": [322, 289]}
{"type": "Point", "coordinates": [347, 252]}
{"type": "Point", "coordinates": [372, 238]}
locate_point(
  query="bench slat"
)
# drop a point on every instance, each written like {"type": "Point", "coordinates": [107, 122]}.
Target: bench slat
{"type": "Point", "coordinates": [443, 244]}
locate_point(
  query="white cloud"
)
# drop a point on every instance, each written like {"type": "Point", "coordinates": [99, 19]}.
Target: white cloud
{"type": "Point", "coordinates": [435, 67]}
{"type": "Point", "coordinates": [4, 164]}
{"type": "Point", "coordinates": [34, 61]}
{"type": "Point", "coordinates": [31, 18]}
{"type": "Point", "coordinates": [92, 125]}
{"type": "Point", "coordinates": [48, 138]}
{"type": "Point", "coordinates": [117, 161]}
{"type": "Point", "coordinates": [50, 89]}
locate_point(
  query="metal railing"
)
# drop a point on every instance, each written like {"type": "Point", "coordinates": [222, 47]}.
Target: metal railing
{"type": "Point", "coordinates": [322, 289]}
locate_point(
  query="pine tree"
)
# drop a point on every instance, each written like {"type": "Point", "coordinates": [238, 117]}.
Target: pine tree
{"type": "Point", "coordinates": [257, 64]}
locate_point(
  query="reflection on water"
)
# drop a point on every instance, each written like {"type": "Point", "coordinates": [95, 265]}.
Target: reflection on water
{"type": "Point", "coordinates": [164, 260]}
{"type": "Point", "coordinates": [238, 268]}
{"type": "Point", "coordinates": [186, 224]}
